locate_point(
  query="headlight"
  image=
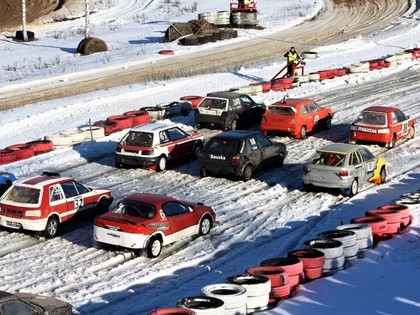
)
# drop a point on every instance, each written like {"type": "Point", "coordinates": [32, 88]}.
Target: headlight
{"type": "Point", "coordinates": [33, 213]}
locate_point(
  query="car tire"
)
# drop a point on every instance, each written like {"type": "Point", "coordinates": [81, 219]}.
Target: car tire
{"type": "Point", "coordinates": [161, 163]}
{"type": "Point", "coordinates": [247, 173]}
{"type": "Point", "coordinates": [392, 143]}
{"type": "Point", "coordinates": [51, 228]}
{"type": "Point", "coordinates": [103, 205]}
{"type": "Point", "coordinates": [203, 173]}
{"type": "Point", "coordinates": [382, 174]}
{"type": "Point", "coordinates": [328, 123]}
{"type": "Point", "coordinates": [412, 132]}
{"type": "Point", "coordinates": [205, 225]}
{"type": "Point", "coordinates": [353, 189]}
{"type": "Point", "coordinates": [302, 132]}
{"type": "Point", "coordinates": [279, 161]}
{"type": "Point", "coordinates": [198, 146]}
{"type": "Point", "coordinates": [154, 247]}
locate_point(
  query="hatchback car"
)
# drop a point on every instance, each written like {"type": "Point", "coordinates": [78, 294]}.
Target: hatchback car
{"type": "Point", "coordinates": [32, 304]}
{"type": "Point", "coordinates": [239, 154]}
{"type": "Point", "coordinates": [41, 203]}
{"type": "Point", "coordinates": [296, 117]}
{"type": "Point", "coordinates": [383, 125]}
{"type": "Point", "coordinates": [344, 166]}
{"type": "Point", "coordinates": [228, 111]}
{"type": "Point", "coordinates": [150, 221]}
{"type": "Point", "coordinates": [152, 145]}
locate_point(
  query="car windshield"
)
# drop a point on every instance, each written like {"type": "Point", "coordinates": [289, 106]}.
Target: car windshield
{"type": "Point", "coordinates": [328, 158]}
{"type": "Point", "coordinates": [371, 118]}
{"type": "Point", "coordinates": [222, 146]}
{"type": "Point", "coordinates": [281, 110]}
{"type": "Point", "coordinates": [213, 103]}
{"type": "Point", "coordinates": [23, 194]}
{"type": "Point", "coordinates": [136, 209]}
{"type": "Point", "coordinates": [138, 139]}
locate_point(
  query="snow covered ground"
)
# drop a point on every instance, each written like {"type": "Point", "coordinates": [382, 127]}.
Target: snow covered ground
{"type": "Point", "coordinates": [263, 218]}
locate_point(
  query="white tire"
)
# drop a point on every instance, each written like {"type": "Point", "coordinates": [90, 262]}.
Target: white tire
{"type": "Point", "coordinates": [254, 284]}
{"type": "Point", "coordinates": [359, 68]}
{"type": "Point", "coordinates": [203, 305]}
{"type": "Point", "coordinates": [362, 230]}
{"type": "Point", "coordinates": [97, 132]}
{"type": "Point", "coordinates": [334, 263]}
{"type": "Point", "coordinates": [351, 251]}
{"type": "Point", "coordinates": [314, 77]}
{"type": "Point", "coordinates": [392, 58]}
{"type": "Point", "coordinates": [233, 295]}
{"type": "Point", "coordinates": [302, 78]}
{"type": "Point", "coordinates": [258, 302]}
{"type": "Point", "coordinates": [59, 140]}
{"type": "Point", "coordinates": [242, 310]}
{"type": "Point", "coordinates": [330, 248]}
{"type": "Point", "coordinates": [76, 136]}
{"type": "Point", "coordinates": [309, 55]}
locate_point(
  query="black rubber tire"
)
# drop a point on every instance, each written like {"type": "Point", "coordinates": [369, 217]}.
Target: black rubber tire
{"type": "Point", "coordinates": [383, 175]}
{"type": "Point", "coordinates": [51, 228]}
{"type": "Point", "coordinates": [205, 225]}
{"type": "Point", "coordinates": [154, 247]}
{"type": "Point", "coordinates": [279, 160]}
{"type": "Point", "coordinates": [393, 142]}
{"type": "Point", "coordinates": [412, 132]}
{"type": "Point", "coordinates": [353, 189]}
{"type": "Point", "coordinates": [198, 146]}
{"type": "Point", "coordinates": [247, 173]}
{"type": "Point", "coordinates": [328, 123]}
{"type": "Point", "coordinates": [302, 132]}
{"type": "Point", "coordinates": [103, 205]}
{"type": "Point", "coordinates": [161, 163]}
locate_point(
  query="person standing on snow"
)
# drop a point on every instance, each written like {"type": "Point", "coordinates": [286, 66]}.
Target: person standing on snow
{"type": "Point", "coordinates": [292, 60]}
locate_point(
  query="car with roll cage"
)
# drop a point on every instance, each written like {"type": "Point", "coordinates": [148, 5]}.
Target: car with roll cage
{"type": "Point", "coordinates": [42, 203]}
{"type": "Point", "coordinates": [239, 153]}
{"type": "Point", "coordinates": [228, 111]}
{"type": "Point", "coordinates": [152, 145]}
{"type": "Point", "coordinates": [345, 167]}
{"type": "Point", "coordinates": [147, 222]}
{"type": "Point", "coordinates": [383, 125]}
{"type": "Point", "coordinates": [296, 117]}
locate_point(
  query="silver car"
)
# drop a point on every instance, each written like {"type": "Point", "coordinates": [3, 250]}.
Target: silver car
{"type": "Point", "coordinates": [344, 166]}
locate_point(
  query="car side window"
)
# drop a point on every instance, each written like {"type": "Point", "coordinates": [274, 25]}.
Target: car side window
{"type": "Point", "coordinates": [176, 134]}
{"type": "Point", "coordinates": [173, 208]}
{"type": "Point", "coordinates": [80, 188]}
{"type": "Point", "coordinates": [366, 155]}
{"type": "Point", "coordinates": [246, 101]}
{"type": "Point", "coordinates": [313, 107]}
{"type": "Point", "coordinates": [56, 193]}
{"type": "Point", "coordinates": [263, 141]}
{"type": "Point", "coordinates": [355, 158]}
{"type": "Point", "coordinates": [304, 110]}
{"type": "Point", "coordinates": [400, 116]}
{"type": "Point", "coordinates": [73, 188]}
{"type": "Point", "coordinates": [394, 118]}
{"type": "Point", "coordinates": [163, 137]}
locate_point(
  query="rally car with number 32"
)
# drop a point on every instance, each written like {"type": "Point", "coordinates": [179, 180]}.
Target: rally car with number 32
{"type": "Point", "coordinates": [144, 221]}
{"type": "Point", "coordinates": [41, 203]}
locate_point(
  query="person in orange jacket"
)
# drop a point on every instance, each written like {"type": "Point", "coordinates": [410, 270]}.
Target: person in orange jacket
{"type": "Point", "coordinates": [292, 60]}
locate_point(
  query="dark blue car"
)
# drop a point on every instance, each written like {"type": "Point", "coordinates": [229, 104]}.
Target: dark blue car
{"type": "Point", "coordinates": [6, 180]}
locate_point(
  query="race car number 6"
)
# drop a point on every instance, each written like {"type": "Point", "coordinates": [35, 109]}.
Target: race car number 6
{"type": "Point", "coordinates": [162, 214]}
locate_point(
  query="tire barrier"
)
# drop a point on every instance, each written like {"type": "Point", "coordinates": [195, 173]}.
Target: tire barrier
{"type": "Point", "coordinates": [403, 210]}
{"type": "Point", "coordinates": [265, 86]}
{"type": "Point", "coordinates": [166, 52]}
{"type": "Point", "coordinates": [347, 238]}
{"type": "Point", "coordinates": [312, 261]}
{"type": "Point", "coordinates": [22, 151]}
{"type": "Point", "coordinates": [309, 55]}
{"type": "Point", "coordinates": [277, 85]}
{"type": "Point", "coordinates": [193, 99]}
{"type": "Point", "coordinates": [172, 311]}
{"type": "Point", "coordinates": [292, 265]}
{"type": "Point", "coordinates": [155, 113]}
{"type": "Point", "coordinates": [203, 305]}
{"type": "Point", "coordinates": [93, 132]}
{"type": "Point", "coordinates": [314, 77]}
{"type": "Point", "coordinates": [377, 224]}
{"type": "Point", "coordinates": [76, 136]}
{"type": "Point", "coordinates": [301, 78]}
{"type": "Point", "coordinates": [59, 140]}
{"type": "Point", "coordinates": [41, 146]}
{"type": "Point", "coordinates": [333, 251]}
{"type": "Point", "coordinates": [409, 199]}
{"type": "Point", "coordinates": [7, 156]}
{"type": "Point", "coordinates": [359, 67]}
{"type": "Point", "coordinates": [174, 109]}
{"type": "Point", "coordinates": [190, 40]}
{"type": "Point", "coordinates": [258, 290]}
{"type": "Point", "coordinates": [249, 89]}
{"type": "Point", "coordinates": [280, 286]}
{"type": "Point", "coordinates": [234, 297]}
{"type": "Point", "coordinates": [122, 121]}
{"type": "Point", "coordinates": [392, 217]}
{"type": "Point", "coordinates": [363, 234]}
{"type": "Point", "coordinates": [139, 117]}
{"type": "Point", "coordinates": [415, 53]}
{"type": "Point", "coordinates": [109, 127]}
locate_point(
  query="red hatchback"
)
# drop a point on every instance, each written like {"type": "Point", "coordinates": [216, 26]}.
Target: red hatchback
{"type": "Point", "coordinates": [150, 221]}
{"type": "Point", "coordinates": [383, 125]}
{"type": "Point", "coordinates": [296, 116]}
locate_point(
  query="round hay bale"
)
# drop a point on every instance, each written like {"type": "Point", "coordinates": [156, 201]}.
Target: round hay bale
{"type": "Point", "coordinates": [177, 30]}
{"type": "Point", "coordinates": [91, 45]}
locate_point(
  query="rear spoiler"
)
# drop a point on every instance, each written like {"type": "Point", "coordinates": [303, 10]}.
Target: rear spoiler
{"type": "Point", "coordinates": [53, 174]}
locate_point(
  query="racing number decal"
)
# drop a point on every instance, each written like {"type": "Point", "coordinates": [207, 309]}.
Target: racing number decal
{"type": "Point", "coordinates": [370, 166]}
{"type": "Point", "coordinates": [162, 214]}
{"type": "Point", "coordinates": [316, 119]}
{"type": "Point", "coordinates": [78, 202]}
{"type": "Point", "coordinates": [405, 128]}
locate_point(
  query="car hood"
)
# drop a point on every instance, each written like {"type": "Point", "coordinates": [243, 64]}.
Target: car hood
{"type": "Point", "coordinates": [50, 305]}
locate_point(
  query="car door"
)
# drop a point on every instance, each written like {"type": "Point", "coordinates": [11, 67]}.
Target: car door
{"type": "Point", "coordinates": [74, 199]}
{"type": "Point", "coordinates": [179, 142]}
{"type": "Point", "coordinates": [181, 221]}
{"type": "Point", "coordinates": [254, 151]}
{"type": "Point", "coordinates": [268, 151]}
{"type": "Point", "coordinates": [399, 124]}
{"type": "Point", "coordinates": [369, 162]}
{"type": "Point", "coordinates": [57, 201]}
{"type": "Point", "coordinates": [358, 166]}
{"type": "Point", "coordinates": [251, 112]}
{"type": "Point", "coordinates": [314, 116]}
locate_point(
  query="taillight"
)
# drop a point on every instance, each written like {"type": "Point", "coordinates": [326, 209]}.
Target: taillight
{"type": "Point", "coordinates": [343, 173]}
{"type": "Point", "coordinates": [236, 159]}
{"type": "Point", "coordinates": [148, 152]}
{"type": "Point", "coordinates": [306, 170]}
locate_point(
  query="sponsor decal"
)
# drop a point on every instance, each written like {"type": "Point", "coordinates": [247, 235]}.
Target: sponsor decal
{"type": "Point", "coordinates": [158, 226]}
{"type": "Point", "coordinates": [370, 130]}
{"type": "Point", "coordinates": [217, 157]}
{"type": "Point", "coordinates": [113, 235]}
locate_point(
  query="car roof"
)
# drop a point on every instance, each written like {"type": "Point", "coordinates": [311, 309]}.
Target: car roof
{"type": "Point", "coordinates": [226, 94]}
{"type": "Point", "coordinates": [42, 181]}
{"type": "Point", "coordinates": [153, 127]}
{"type": "Point", "coordinates": [292, 102]}
{"type": "Point", "coordinates": [237, 134]}
{"type": "Point", "coordinates": [381, 109]}
{"type": "Point", "coordinates": [342, 148]}
{"type": "Point", "coordinates": [149, 198]}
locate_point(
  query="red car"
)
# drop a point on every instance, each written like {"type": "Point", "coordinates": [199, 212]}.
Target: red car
{"type": "Point", "coordinates": [296, 116]}
{"type": "Point", "coordinates": [150, 221]}
{"type": "Point", "coordinates": [41, 203]}
{"type": "Point", "coordinates": [383, 125]}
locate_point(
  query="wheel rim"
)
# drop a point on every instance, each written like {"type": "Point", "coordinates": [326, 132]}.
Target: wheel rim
{"type": "Point", "coordinates": [303, 132]}
{"type": "Point", "coordinates": [383, 176]}
{"type": "Point", "coordinates": [233, 124]}
{"type": "Point", "coordinates": [52, 227]}
{"type": "Point", "coordinates": [155, 248]}
{"type": "Point", "coordinates": [354, 187]}
{"type": "Point", "coordinates": [205, 226]}
{"type": "Point", "coordinates": [247, 173]}
{"type": "Point", "coordinates": [162, 163]}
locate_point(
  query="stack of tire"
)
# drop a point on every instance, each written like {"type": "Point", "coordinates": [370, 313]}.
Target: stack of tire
{"type": "Point", "coordinates": [333, 251]}
{"type": "Point", "coordinates": [312, 260]}
{"type": "Point", "coordinates": [377, 224]}
{"type": "Point", "coordinates": [363, 233]}
{"type": "Point", "coordinates": [202, 305]}
{"type": "Point", "coordinates": [293, 267]}
{"type": "Point", "coordinates": [129, 119]}
{"type": "Point", "coordinates": [392, 217]}
{"type": "Point", "coordinates": [172, 311]}
{"type": "Point", "coordinates": [281, 84]}
{"type": "Point", "coordinates": [234, 297]}
{"type": "Point", "coordinates": [347, 238]}
{"type": "Point", "coordinates": [17, 152]}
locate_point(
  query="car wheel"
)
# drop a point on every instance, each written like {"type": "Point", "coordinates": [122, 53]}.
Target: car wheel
{"type": "Point", "coordinates": [154, 247]}
{"type": "Point", "coordinates": [203, 173]}
{"type": "Point", "coordinates": [198, 146]}
{"type": "Point", "coordinates": [161, 164]}
{"type": "Point", "coordinates": [383, 175]}
{"type": "Point", "coordinates": [353, 189]}
{"type": "Point", "coordinates": [328, 123]}
{"type": "Point", "coordinates": [302, 132]}
{"type": "Point", "coordinates": [412, 132]}
{"type": "Point", "coordinates": [393, 141]}
{"type": "Point", "coordinates": [247, 173]}
{"type": "Point", "coordinates": [51, 228]}
{"type": "Point", "coordinates": [205, 226]}
{"type": "Point", "coordinates": [103, 205]}
{"type": "Point", "coordinates": [279, 161]}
